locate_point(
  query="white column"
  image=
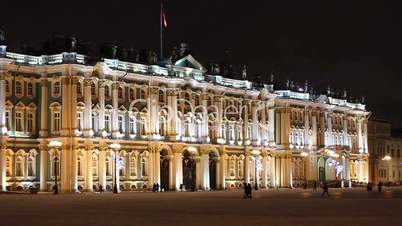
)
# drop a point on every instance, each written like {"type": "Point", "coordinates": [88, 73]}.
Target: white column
{"type": "Point", "coordinates": [153, 109]}
{"type": "Point", "coordinates": [44, 109]}
{"type": "Point", "coordinates": [205, 171]}
{"type": "Point", "coordinates": [88, 171]}
{"type": "Point", "coordinates": [246, 137]}
{"type": "Point", "coordinates": [254, 128]}
{"type": "Point", "coordinates": [102, 170]}
{"type": "Point", "coordinates": [223, 160]}
{"type": "Point", "coordinates": [101, 87]}
{"type": "Point", "coordinates": [157, 164]}
{"type": "Point", "coordinates": [151, 175]}
{"type": "Point", "coordinates": [345, 130]}
{"type": "Point", "coordinates": [172, 102]}
{"type": "Point", "coordinates": [218, 104]}
{"type": "Point", "coordinates": [3, 182]}
{"type": "Point", "coordinates": [116, 170]}
{"type": "Point", "coordinates": [264, 171]}
{"type": "Point", "coordinates": [43, 169]}
{"type": "Point", "coordinates": [314, 125]}
{"type": "Point", "coordinates": [329, 129]}
{"type": "Point", "coordinates": [271, 126]}
{"type": "Point", "coordinates": [88, 107]}
{"type": "Point", "coordinates": [171, 174]}
{"type": "Point", "coordinates": [247, 169]}
{"type": "Point", "coordinates": [306, 129]}
{"type": "Point", "coordinates": [273, 172]}
{"type": "Point", "coordinates": [66, 106]}
{"type": "Point", "coordinates": [264, 128]}
{"type": "Point", "coordinates": [2, 104]}
{"type": "Point", "coordinates": [205, 129]}
{"type": "Point", "coordinates": [218, 173]}
{"type": "Point", "coordinates": [115, 93]}
{"type": "Point", "coordinates": [178, 165]}
{"type": "Point", "coordinates": [365, 137]}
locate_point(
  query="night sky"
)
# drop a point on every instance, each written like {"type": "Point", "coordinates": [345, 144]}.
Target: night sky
{"type": "Point", "coordinates": [354, 46]}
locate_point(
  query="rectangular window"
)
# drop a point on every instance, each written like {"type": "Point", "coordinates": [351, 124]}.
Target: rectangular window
{"type": "Point", "coordinates": [132, 125]}
{"type": "Point", "coordinates": [18, 121]}
{"type": "Point", "coordinates": [56, 88]}
{"type": "Point", "coordinates": [7, 86]}
{"type": "Point", "coordinates": [79, 121]}
{"type": "Point", "coordinates": [30, 89]}
{"type": "Point", "coordinates": [120, 123]}
{"type": "Point", "coordinates": [18, 88]}
{"type": "Point", "coordinates": [133, 168]}
{"type": "Point", "coordinates": [8, 120]}
{"type": "Point", "coordinates": [56, 121]}
{"type": "Point", "coordinates": [31, 171]}
{"type": "Point", "coordinates": [30, 123]}
{"type": "Point", "coordinates": [94, 167]}
{"type": "Point", "coordinates": [107, 123]}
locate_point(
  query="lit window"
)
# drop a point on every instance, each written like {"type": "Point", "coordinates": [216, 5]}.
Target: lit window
{"type": "Point", "coordinates": [30, 89]}
{"type": "Point", "coordinates": [19, 167]}
{"type": "Point", "coordinates": [120, 123]}
{"type": "Point", "coordinates": [94, 167]}
{"type": "Point", "coordinates": [108, 167]}
{"type": "Point", "coordinates": [93, 89]}
{"type": "Point", "coordinates": [79, 167]}
{"type": "Point", "coordinates": [31, 167]}
{"type": "Point", "coordinates": [107, 123]}
{"type": "Point", "coordinates": [56, 121]}
{"type": "Point", "coordinates": [18, 88]}
{"type": "Point", "coordinates": [8, 167]}
{"type": "Point", "coordinates": [30, 128]}
{"type": "Point", "coordinates": [56, 89]}
{"type": "Point", "coordinates": [143, 167]}
{"type": "Point", "coordinates": [120, 93]}
{"type": "Point", "coordinates": [18, 121]}
{"type": "Point", "coordinates": [132, 94]}
{"type": "Point", "coordinates": [133, 166]}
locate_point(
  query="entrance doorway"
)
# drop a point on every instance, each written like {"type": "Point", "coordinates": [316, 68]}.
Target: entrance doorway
{"type": "Point", "coordinates": [164, 168]}
{"type": "Point", "coordinates": [189, 171]}
{"type": "Point", "coordinates": [212, 170]}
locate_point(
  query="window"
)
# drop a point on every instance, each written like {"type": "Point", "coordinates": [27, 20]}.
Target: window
{"type": "Point", "coordinates": [18, 88]}
{"type": "Point", "coordinates": [122, 171]}
{"type": "Point", "coordinates": [19, 122]}
{"type": "Point", "coordinates": [56, 121]}
{"type": "Point", "coordinates": [7, 86]}
{"type": "Point", "coordinates": [8, 167]}
{"type": "Point", "coordinates": [132, 125]}
{"type": "Point", "coordinates": [143, 167]}
{"type": "Point", "coordinates": [79, 166]}
{"type": "Point", "coordinates": [107, 123]}
{"type": "Point", "coordinates": [31, 167]}
{"type": "Point", "coordinates": [120, 123]}
{"type": "Point", "coordinates": [8, 121]}
{"type": "Point", "coordinates": [232, 167]}
{"type": "Point", "coordinates": [94, 167]}
{"type": "Point", "coordinates": [55, 167]}
{"type": "Point", "coordinates": [133, 166]}
{"type": "Point", "coordinates": [120, 93]}
{"type": "Point", "coordinates": [30, 89]}
{"type": "Point", "coordinates": [93, 89]}
{"type": "Point", "coordinates": [56, 89]}
{"type": "Point", "coordinates": [30, 120]}
{"type": "Point", "coordinates": [132, 94]}
{"type": "Point", "coordinates": [143, 95]}
{"type": "Point", "coordinates": [107, 92]}
{"type": "Point", "coordinates": [79, 89]}
{"type": "Point", "coordinates": [19, 167]}
{"type": "Point", "coordinates": [161, 96]}
{"type": "Point", "coordinates": [79, 121]}
{"type": "Point", "coordinates": [240, 168]}
{"type": "Point", "coordinates": [108, 167]}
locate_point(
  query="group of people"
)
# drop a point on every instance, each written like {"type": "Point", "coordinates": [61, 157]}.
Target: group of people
{"type": "Point", "coordinates": [247, 190]}
{"type": "Point", "coordinates": [370, 186]}
{"type": "Point", "coordinates": [157, 188]}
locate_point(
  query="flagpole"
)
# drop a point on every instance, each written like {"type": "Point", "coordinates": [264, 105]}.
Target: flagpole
{"type": "Point", "coordinates": [161, 32]}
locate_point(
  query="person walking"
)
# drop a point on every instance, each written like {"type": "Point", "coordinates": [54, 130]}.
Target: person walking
{"type": "Point", "coordinates": [315, 186]}
{"type": "Point", "coordinates": [379, 186]}
{"type": "Point", "coordinates": [100, 189]}
{"type": "Point", "coordinates": [245, 190]}
{"type": "Point", "coordinates": [250, 189]}
{"type": "Point", "coordinates": [325, 190]}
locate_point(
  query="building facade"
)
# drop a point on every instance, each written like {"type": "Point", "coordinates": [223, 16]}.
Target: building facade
{"type": "Point", "coordinates": [177, 126]}
{"type": "Point", "coordinates": [385, 153]}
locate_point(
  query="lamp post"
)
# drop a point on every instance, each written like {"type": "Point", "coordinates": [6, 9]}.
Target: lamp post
{"type": "Point", "coordinates": [55, 145]}
{"type": "Point", "coordinates": [115, 147]}
{"type": "Point", "coordinates": [255, 155]}
{"type": "Point", "coordinates": [304, 155]}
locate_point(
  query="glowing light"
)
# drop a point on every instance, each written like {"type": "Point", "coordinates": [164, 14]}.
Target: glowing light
{"type": "Point", "coordinates": [115, 146]}
{"type": "Point", "coordinates": [104, 134]}
{"type": "Point", "coordinates": [386, 158]}
{"type": "Point", "coordinates": [304, 154]}
{"type": "Point", "coordinates": [55, 144]}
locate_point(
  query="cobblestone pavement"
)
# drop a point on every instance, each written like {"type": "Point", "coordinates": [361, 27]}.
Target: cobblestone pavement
{"type": "Point", "coordinates": [274, 207]}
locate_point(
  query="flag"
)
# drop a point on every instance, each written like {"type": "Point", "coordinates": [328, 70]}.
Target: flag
{"type": "Point", "coordinates": [164, 19]}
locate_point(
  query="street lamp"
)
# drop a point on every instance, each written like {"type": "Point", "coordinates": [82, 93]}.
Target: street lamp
{"type": "Point", "coordinates": [56, 145]}
{"type": "Point", "coordinates": [115, 147]}
{"type": "Point", "coordinates": [255, 154]}
{"type": "Point", "coordinates": [388, 159]}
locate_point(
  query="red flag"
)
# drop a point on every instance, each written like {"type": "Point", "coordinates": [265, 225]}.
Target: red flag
{"type": "Point", "coordinates": [164, 19]}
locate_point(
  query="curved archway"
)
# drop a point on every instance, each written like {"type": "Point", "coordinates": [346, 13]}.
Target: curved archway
{"type": "Point", "coordinates": [189, 170]}
{"type": "Point", "coordinates": [213, 160]}
{"type": "Point", "coordinates": [164, 169]}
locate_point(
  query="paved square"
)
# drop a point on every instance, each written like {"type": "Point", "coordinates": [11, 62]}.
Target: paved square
{"type": "Point", "coordinates": [275, 207]}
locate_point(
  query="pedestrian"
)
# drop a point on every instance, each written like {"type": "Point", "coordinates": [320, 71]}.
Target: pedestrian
{"type": "Point", "coordinates": [325, 190]}
{"type": "Point", "coordinates": [157, 187]}
{"type": "Point", "coordinates": [368, 186]}
{"type": "Point", "coordinates": [245, 190]}
{"type": "Point", "coordinates": [379, 186]}
{"type": "Point", "coordinates": [315, 186]}
{"type": "Point", "coordinates": [100, 189]}
{"type": "Point", "coordinates": [154, 188]}
{"type": "Point", "coordinates": [249, 189]}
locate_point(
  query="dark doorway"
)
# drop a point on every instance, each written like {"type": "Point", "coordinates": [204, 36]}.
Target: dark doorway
{"type": "Point", "coordinates": [164, 168]}
{"type": "Point", "coordinates": [189, 174]}
{"type": "Point", "coordinates": [212, 170]}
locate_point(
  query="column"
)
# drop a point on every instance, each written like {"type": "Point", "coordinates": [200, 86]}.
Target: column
{"type": "Point", "coordinates": [246, 138]}
{"type": "Point", "coordinates": [2, 103]}
{"type": "Point", "coordinates": [264, 128]}
{"type": "Point", "coordinates": [43, 168]}
{"type": "Point", "coordinates": [87, 130]}
{"type": "Point", "coordinates": [306, 129]}
{"type": "Point", "coordinates": [254, 113]}
{"type": "Point", "coordinates": [218, 104]}
{"type": "Point", "coordinates": [102, 165]}
{"type": "Point", "coordinates": [157, 164]}
{"type": "Point", "coordinates": [247, 168]}
{"type": "Point", "coordinates": [264, 170]}
{"type": "Point", "coordinates": [205, 170]}
{"type": "Point", "coordinates": [172, 102]}
{"type": "Point", "coordinates": [360, 135]}
{"type": "Point", "coordinates": [218, 173]}
{"type": "Point", "coordinates": [285, 128]}
{"type": "Point", "coordinates": [271, 126]}
{"type": "Point", "coordinates": [345, 131]}
{"type": "Point", "coordinates": [365, 136]}
{"type": "Point", "coordinates": [329, 129]}
{"type": "Point", "coordinates": [314, 125]}
{"type": "Point", "coordinates": [88, 171]}
{"type": "Point", "coordinates": [44, 108]}
{"type": "Point", "coordinates": [66, 106]}
{"type": "Point", "coordinates": [116, 171]}
{"type": "Point", "coordinates": [154, 119]}
{"type": "Point", "coordinates": [273, 172]}
{"type": "Point", "coordinates": [101, 87]}
{"type": "Point", "coordinates": [151, 169]}
{"type": "Point", "coordinates": [171, 173]}
{"type": "Point", "coordinates": [115, 103]}
{"type": "Point", "coordinates": [178, 168]}
{"type": "Point", "coordinates": [68, 177]}
{"type": "Point", "coordinates": [223, 170]}
{"type": "Point", "coordinates": [205, 129]}
{"type": "Point", "coordinates": [3, 183]}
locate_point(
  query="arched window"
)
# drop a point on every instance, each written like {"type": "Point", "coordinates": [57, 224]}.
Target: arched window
{"type": "Point", "coordinates": [133, 165]}
{"type": "Point", "coordinates": [8, 167]}
{"type": "Point", "coordinates": [107, 122]}
{"type": "Point", "coordinates": [122, 171]}
{"type": "Point", "coordinates": [19, 167]}
{"type": "Point", "coordinates": [108, 166]}
{"type": "Point", "coordinates": [143, 167]}
{"type": "Point", "coordinates": [79, 120]}
{"type": "Point", "coordinates": [232, 168]}
{"type": "Point", "coordinates": [19, 120]}
{"type": "Point", "coordinates": [133, 129]}
{"type": "Point", "coordinates": [18, 88]}
{"type": "Point", "coordinates": [107, 91]}
{"type": "Point", "coordinates": [30, 120]}
{"type": "Point", "coordinates": [239, 168]}
{"type": "Point", "coordinates": [31, 167]}
{"type": "Point", "coordinates": [187, 99]}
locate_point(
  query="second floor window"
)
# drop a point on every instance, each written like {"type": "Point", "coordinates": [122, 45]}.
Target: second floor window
{"type": "Point", "coordinates": [18, 121]}
{"type": "Point", "coordinates": [56, 89]}
{"type": "Point", "coordinates": [56, 121]}
{"type": "Point", "coordinates": [18, 88]}
{"type": "Point", "coordinates": [30, 89]}
{"type": "Point", "coordinates": [30, 128]}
